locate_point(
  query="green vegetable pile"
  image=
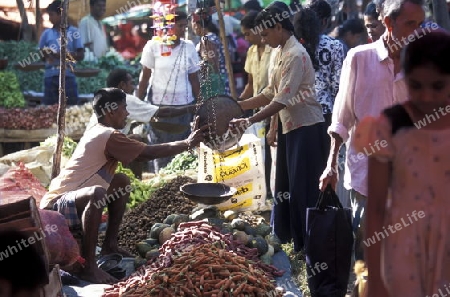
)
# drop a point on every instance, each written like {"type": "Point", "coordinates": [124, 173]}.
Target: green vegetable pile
{"type": "Point", "coordinates": [22, 51]}
{"type": "Point", "coordinates": [34, 80]}
{"type": "Point", "coordinates": [68, 148]}
{"type": "Point", "coordinates": [11, 96]}
{"type": "Point", "coordinates": [141, 191]}
{"type": "Point", "coordinates": [181, 162]}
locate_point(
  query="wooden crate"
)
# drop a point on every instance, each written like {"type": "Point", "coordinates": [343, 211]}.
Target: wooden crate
{"type": "Point", "coordinates": [24, 216]}
{"type": "Point", "coordinates": [54, 286]}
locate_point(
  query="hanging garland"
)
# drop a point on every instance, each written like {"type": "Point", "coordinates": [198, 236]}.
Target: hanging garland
{"type": "Point", "coordinates": [163, 22]}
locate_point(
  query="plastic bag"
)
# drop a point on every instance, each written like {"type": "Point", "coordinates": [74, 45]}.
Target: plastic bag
{"type": "Point", "coordinates": [19, 183]}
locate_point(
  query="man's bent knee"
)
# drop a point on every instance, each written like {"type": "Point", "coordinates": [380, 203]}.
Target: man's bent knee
{"type": "Point", "coordinates": [89, 195]}
{"type": "Point", "coordinates": [98, 197]}
{"type": "Point", "coordinates": [120, 179]}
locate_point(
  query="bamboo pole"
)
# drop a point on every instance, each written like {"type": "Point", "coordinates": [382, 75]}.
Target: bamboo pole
{"type": "Point", "coordinates": [62, 92]}
{"type": "Point", "coordinates": [226, 50]}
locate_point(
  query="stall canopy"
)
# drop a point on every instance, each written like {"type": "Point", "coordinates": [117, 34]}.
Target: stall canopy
{"type": "Point", "coordinates": [78, 8]}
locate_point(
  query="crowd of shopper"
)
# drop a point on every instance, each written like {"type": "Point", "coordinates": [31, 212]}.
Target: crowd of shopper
{"type": "Point", "coordinates": [312, 86]}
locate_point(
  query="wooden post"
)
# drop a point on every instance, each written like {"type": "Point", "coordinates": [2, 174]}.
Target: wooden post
{"type": "Point", "coordinates": [38, 20]}
{"type": "Point", "coordinates": [223, 36]}
{"type": "Point", "coordinates": [62, 91]}
{"type": "Point", "coordinates": [25, 26]}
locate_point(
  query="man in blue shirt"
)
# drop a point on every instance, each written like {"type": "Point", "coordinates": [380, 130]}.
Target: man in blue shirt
{"type": "Point", "coordinates": [50, 45]}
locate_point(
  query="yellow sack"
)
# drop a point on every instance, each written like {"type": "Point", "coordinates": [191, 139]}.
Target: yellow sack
{"type": "Point", "coordinates": [241, 167]}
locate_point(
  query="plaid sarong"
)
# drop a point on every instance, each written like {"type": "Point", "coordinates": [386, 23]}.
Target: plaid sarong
{"type": "Point", "coordinates": [66, 206]}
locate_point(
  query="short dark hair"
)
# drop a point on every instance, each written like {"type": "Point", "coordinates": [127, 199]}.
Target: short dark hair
{"type": "Point", "coordinates": [432, 48]}
{"type": "Point", "coordinates": [248, 21]}
{"type": "Point", "coordinates": [93, 2]}
{"type": "Point", "coordinates": [392, 8]}
{"type": "Point", "coordinates": [212, 3]}
{"type": "Point", "coordinates": [55, 6]}
{"type": "Point", "coordinates": [180, 16]}
{"type": "Point", "coordinates": [106, 96]}
{"type": "Point", "coordinates": [115, 77]}
{"type": "Point", "coordinates": [354, 26]}
{"type": "Point", "coordinates": [12, 266]}
{"type": "Point", "coordinates": [322, 8]}
{"type": "Point", "coordinates": [371, 11]}
{"type": "Point", "coordinates": [205, 20]}
{"type": "Point", "coordinates": [252, 5]}
{"type": "Point", "coordinates": [267, 17]}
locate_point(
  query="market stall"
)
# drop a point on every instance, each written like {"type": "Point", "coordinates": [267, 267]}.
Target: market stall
{"type": "Point", "coordinates": [200, 227]}
{"type": "Point", "coordinates": [23, 119]}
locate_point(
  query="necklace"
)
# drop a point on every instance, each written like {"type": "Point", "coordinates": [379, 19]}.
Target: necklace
{"type": "Point", "coordinates": [177, 68]}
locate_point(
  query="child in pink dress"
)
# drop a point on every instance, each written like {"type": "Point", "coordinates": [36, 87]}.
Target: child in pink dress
{"type": "Point", "coordinates": [408, 214]}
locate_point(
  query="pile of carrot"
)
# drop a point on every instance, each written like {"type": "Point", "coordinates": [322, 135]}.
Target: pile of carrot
{"type": "Point", "coordinates": [199, 261]}
{"type": "Point", "coordinates": [210, 271]}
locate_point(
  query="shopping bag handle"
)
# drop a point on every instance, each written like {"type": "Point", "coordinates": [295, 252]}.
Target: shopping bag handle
{"type": "Point", "coordinates": [328, 198]}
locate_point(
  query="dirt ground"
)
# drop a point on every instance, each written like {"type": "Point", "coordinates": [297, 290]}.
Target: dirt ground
{"type": "Point", "coordinates": [298, 271]}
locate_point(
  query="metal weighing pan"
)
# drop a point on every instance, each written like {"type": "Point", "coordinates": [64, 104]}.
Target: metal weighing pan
{"type": "Point", "coordinates": [219, 111]}
{"type": "Point", "coordinates": [208, 193]}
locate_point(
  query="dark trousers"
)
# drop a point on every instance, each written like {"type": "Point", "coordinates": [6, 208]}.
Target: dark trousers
{"type": "Point", "coordinates": [267, 162]}
{"type": "Point", "coordinates": [51, 90]}
{"type": "Point", "coordinates": [301, 159]}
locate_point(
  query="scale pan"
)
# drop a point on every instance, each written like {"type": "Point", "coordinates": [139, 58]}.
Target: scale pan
{"type": "Point", "coordinates": [218, 111]}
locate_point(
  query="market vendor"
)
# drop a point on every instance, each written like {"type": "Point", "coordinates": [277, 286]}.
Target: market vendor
{"type": "Point", "coordinates": [50, 47]}
{"type": "Point", "coordinates": [88, 183]}
{"type": "Point", "coordinates": [139, 111]}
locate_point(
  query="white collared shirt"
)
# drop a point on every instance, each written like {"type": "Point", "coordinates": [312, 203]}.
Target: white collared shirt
{"type": "Point", "coordinates": [139, 111]}
{"type": "Point", "coordinates": [93, 31]}
{"type": "Point", "coordinates": [367, 86]}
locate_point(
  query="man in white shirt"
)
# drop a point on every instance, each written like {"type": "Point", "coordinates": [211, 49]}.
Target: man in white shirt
{"type": "Point", "coordinates": [370, 82]}
{"type": "Point", "coordinates": [92, 31]}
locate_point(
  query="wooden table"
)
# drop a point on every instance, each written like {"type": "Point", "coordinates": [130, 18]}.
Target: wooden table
{"type": "Point", "coordinates": [29, 136]}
